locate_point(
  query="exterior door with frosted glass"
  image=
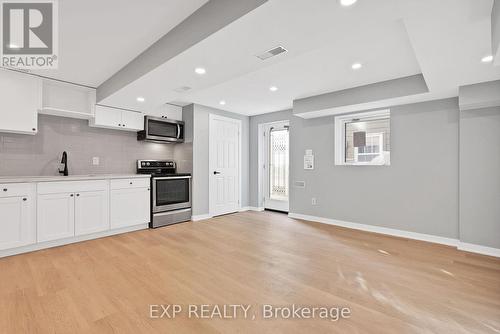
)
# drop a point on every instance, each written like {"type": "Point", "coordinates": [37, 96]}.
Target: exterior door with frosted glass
{"type": "Point", "coordinates": [276, 184]}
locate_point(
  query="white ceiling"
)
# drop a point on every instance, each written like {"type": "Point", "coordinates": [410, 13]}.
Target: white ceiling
{"type": "Point", "coordinates": [444, 40]}
{"type": "Point", "coordinates": [99, 37]}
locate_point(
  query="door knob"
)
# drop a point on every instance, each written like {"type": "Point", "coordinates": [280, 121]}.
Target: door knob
{"type": "Point", "coordinates": [216, 172]}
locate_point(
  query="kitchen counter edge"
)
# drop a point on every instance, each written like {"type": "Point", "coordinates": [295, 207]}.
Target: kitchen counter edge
{"type": "Point", "coordinates": [33, 179]}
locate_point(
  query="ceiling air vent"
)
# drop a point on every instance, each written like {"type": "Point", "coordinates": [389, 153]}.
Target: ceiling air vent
{"type": "Point", "coordinates": [271, 53]}
{"type": "Point", "coordinates": [182, 89]}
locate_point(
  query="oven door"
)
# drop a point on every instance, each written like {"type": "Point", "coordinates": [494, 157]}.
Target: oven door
{"type": "Point", "coordinates": [171, 193]}
{"type": "Point", "coordinates": [159, 129]}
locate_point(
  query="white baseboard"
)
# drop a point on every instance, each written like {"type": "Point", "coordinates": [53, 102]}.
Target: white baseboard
{"type": "Point", "coordinates": [250, 208]}
{"type": "Point", "coordinates": [208, 216]}
{"type": "Point", "coordinates": [72, 240]}
{"type": "Point", "coordinates": [201, 217]}
{"type": "Point", "coordinates": [403, 234]}
{"type": "Point", "coordinates": [479, 249]}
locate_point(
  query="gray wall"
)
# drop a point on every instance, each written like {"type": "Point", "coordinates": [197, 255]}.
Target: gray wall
{"type": "Point", "coordinates": [40, 154]}
{"type": "Point", "coordinates": [480, 95]}
{"type": "Point", "coordinates": [254, 149]}
{"type": "Point", "coordinates": [480, 177]}
{"type": "Point", "coordinates": [495, 30]}
{"type": "Point", "coordinates": [183, 153]}
{"type": "Point", "coordinates": [201, 160]}
{"type": "Point", "coordinates": [350, 99]}
{"type": "Point", "coordinates": [418, 192]}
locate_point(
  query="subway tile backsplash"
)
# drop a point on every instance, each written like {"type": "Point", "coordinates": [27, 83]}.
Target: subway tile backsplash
{"type": "Point", "coordinates": [117, 150]}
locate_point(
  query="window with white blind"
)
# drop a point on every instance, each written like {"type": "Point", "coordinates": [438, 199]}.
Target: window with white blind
{"type": "Point", "coordinates": [363, 139]}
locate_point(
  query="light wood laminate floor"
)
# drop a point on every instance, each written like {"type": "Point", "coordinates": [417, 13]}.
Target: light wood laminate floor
{"type": "Point", "coordinates": [391, 285]}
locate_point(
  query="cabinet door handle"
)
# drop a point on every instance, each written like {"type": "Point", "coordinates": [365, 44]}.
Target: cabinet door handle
{"type": "Point", "coordinates": [71, 195]}
{"type": "Point", "coordinates": [77, 195]}
{"type": "Point", "coordinates": [131, 183]}
{"type": "Point", "coordinates": [5, 189]}
{"type": "Point", "coordinates": [25, 199]}
{"type": "Point", "coordinates": [119, 125]}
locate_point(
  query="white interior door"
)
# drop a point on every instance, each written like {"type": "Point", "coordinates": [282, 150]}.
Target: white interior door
{"type": "Point", "coordinates": [224, 165]}
{"type": "Point", "coordinates": [276, 166]}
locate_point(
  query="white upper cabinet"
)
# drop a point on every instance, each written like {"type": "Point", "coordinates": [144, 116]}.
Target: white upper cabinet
{"type": "Point", "coordinates": [167, 111]}
{"type": "Point", "coordinates": [68, 100]}
{"type": "Point", "coordinates": [107, 117]}
{"type": "Point", "coordinates": [19, 102]}
{"type": "Point", "coordinates": [119, 119]}
{"type": "Point", "coordinates": [133, 120]}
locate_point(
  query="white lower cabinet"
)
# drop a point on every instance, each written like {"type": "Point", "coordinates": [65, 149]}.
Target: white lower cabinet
{"type": "Point", "coordinates": [55, 216]}
{"type": "Point", "coordinates": [68, 209]}
{"type": "Point", "coordinates": [17, 223]}
{"type": "Point", "coordinates": [44, 214]}
{"type": "Point", "coordinates": [129, 207]}
{"type": "Point", "coordinates": [91, 212]}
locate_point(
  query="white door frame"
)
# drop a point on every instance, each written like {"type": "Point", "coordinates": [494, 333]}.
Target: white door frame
{"type": "Point", "coordinates": [262, 160]}
{"type": "Point", "coordinates": [213, 117]}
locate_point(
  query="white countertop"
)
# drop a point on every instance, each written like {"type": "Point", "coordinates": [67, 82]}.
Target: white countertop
{"type": "Point", "coordinates": [28, 179]}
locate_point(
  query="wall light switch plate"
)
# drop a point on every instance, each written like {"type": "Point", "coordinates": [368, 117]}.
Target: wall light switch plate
{"type": "Point", "coordinates": [313, 201]}
{"type": "Point", "coordinates": [95, 161]}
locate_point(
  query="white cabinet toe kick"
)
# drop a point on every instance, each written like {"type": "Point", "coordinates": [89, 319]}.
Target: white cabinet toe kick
{"type": "Point", "coordinates": [38, 215]}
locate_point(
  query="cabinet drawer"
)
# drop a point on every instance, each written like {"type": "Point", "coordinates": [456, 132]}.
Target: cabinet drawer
{"type": "Point", "coordinates": [130, 183]}
{"type": "Point", "coordinates": [71, 186]}
{"type": "Point", "coordinates": [16, 189]}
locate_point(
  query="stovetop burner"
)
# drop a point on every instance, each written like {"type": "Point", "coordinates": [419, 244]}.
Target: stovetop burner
{"type": "Point", "coordinates": [167, 174]}
{"type": "Point", "coordinates": [159, 168]}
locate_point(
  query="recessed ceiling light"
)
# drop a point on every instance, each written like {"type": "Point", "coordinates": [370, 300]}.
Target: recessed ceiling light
{"type": "Point", "coordinates": [140, 99]}
{"type": "Point", "coordinates": [200, 70]}
{"type": "Point", "coordinates": [347, 3]}
{"type": "Point", "coordinates": [222, 102]}
{"type": "Point", "coordinates": [273, 88]}
{"type": "Point", "coordinates": [487, 59]}
{"type": "Point", "coordinates": [356, 66]}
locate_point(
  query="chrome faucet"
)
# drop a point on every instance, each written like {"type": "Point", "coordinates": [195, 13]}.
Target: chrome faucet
{"type": "Point", "coordinates": [64, 161]}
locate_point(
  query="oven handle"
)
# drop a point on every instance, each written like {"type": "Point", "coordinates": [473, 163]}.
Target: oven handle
{"type": "Point", "coordinates": [172, 177]}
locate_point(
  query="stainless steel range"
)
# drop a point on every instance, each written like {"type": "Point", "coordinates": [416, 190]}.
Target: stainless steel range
{"type": "Point", "coordinates": [171, 192]}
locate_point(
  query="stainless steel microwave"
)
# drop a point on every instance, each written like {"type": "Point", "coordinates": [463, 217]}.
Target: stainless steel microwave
{"type": "Point", "coordinates": [162, 130]}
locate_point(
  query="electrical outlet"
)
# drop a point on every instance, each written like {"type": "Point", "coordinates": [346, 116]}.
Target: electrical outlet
{"type": "Point", "coordinates": [95, 161]}
{"type": "Point", "coordinates": [313, 201]}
